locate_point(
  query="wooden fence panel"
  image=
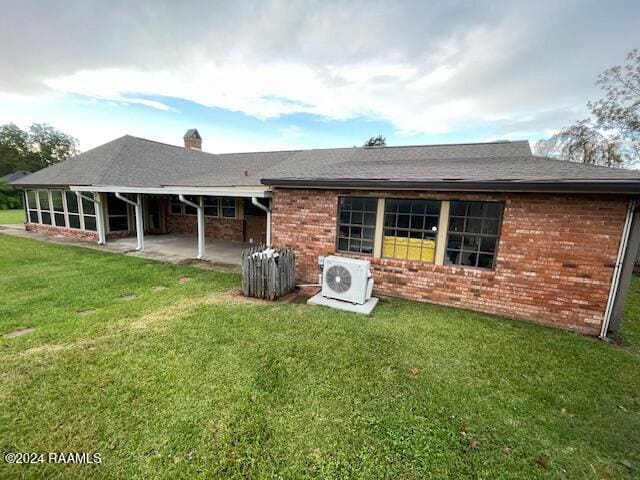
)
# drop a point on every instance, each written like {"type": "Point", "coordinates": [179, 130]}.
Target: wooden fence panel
{"type": "Point", "coordinates": [267, 274]}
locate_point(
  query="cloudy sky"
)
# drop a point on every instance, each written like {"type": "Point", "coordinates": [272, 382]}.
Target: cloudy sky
{"type": "Point", "coordinates": [269, 75]}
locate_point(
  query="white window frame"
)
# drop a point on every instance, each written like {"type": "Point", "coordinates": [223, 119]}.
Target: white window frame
{"type": "Point", "coordinates": [54, 211]}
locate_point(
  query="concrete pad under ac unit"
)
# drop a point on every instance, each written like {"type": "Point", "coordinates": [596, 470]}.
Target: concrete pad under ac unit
{"type": "Point", "coordinates": [365, 309]}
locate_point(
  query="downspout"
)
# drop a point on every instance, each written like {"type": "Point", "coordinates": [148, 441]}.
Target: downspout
{"type": "Point", "coordinates": [617, 269]}
{"type": "Point", "coordinates": [139, 220]}
{"type": "Point", "coordinates": [99, 215]}
{"type": "Point", "coordinates": [200, 209]}
{"type": "Point", "coordinates": [255, 202]}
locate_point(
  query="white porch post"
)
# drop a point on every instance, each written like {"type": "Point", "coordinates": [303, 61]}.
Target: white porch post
{"type": "Point", "coordinates": [97, 206]}
{"type": "Point", "coordinates": [139, 220]}
{"type": "Point", "coordinates": [200, 210]}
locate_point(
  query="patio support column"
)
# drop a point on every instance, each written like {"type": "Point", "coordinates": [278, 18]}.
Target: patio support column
{"type": "Point", "coordinates": [139, 219]}
{"type": "Point", "coordinates": [97, 205]}
{"type": "Point", "coordinates": [200, 210]}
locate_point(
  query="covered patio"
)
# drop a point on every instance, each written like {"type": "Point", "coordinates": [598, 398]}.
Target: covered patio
{"type": "Point", "coordinates": [171, 248]}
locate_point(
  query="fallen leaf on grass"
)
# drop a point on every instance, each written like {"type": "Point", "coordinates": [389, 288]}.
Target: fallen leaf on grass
{"type": "Point", "coordinates": [473, 443]}
{"type": "Point", "coordinates": [253, 398]}
{"type": "Point", "coordinates": [112, 446]}
{"type": "Point", "coordinates": [541, 462]}
{"type": "Point", "coordinates": [505, 450]}
{"type": "Point", "coordinates": [414, 371]}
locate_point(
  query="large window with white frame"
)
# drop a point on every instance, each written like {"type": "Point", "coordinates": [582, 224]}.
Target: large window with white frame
{"type": "Point", "coordinates": [60, 208]}
{"type": "Point", "coordinates": [57, 206]}
{"type": "Point", "coordinates": [89, 215]}
{"type": "Point", "coordinates": [44, 207]}
{"type": "Point", "coordinates": [73, 209]}
{"type": "Point", "coordinates": [32, 206]}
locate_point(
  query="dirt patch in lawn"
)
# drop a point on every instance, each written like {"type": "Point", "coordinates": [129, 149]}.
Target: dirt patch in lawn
{"type": "Point", "coordinates": [183, 280]}
{"type": "Point", "coordinates": [158, 288]}
{"type": "Point", "coordinates": [88, 311]}
{"type": "Point", "coordinates": [155, 319]}
{"type": "Point", "coordinates": [19, 332]}
{"type": "Point", "coordinates": [127, 298]}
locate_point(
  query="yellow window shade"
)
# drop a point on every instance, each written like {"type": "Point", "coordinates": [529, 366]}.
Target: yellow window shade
{"type": "Point", "coordinates": [409, 249]}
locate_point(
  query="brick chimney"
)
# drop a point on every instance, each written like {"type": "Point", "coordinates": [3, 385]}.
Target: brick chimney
{"type": "Point", "coordinates": [192, 139]}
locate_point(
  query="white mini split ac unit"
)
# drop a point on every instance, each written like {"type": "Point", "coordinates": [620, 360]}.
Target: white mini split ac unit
{"type": "Point", "coordinates": [347, 279]}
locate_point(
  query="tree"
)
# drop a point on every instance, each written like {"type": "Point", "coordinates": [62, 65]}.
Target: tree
{"type": "Point", "coordinates": [583, 143]}
{"type": "Point", "coordinates": [33, 149]}
{"type": "Point", "coordinates": [9, 197]}
{"type": "Point", "coordinates": [378, 141]}
{"type": "Point", "coordinates": [613, 138]}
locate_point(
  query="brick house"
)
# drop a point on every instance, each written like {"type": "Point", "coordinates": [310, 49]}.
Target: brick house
{"type": "Point", "coordinates": [485, 226]}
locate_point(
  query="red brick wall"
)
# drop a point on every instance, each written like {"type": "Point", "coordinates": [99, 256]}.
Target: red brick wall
{"type": "Point", "coordinates": [67, 232]}
{"type": "Point", "coordinates": [554, 264]}
{"type": "Point", "coordinates": [222, 228]}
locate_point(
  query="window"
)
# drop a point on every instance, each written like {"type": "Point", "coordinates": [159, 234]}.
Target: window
{"type": "Point", "coordinates": [228, 207]}
{"type": "Point", "coordinates": [45, 211]}
{"type": "Point", "coordinates": [176, 206]}
{"type": "Point", "coordinates": [410, 229]}
{"type": "Point", "coordinates": [188, 209]}
{"type": "Point", "coordinates": [89, 215]}
{"type": "Point", "coordinates": [57, 205]}
{"type": "Point", "coordinates": [73, 213]}
{"type": "Point", "coordinates": [32, 205]}
{"type": "Point", "coordinates": [212, 206]}
{"type": "Point", "coordinates": [118, 213]}
{"type": "Point", "coordinates": [473, 233]}
{"type": "Point", "coordinates": [356, 224]}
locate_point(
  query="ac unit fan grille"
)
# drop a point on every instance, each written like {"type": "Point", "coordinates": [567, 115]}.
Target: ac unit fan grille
{"type": "Point", "coordinates": [338, 278]}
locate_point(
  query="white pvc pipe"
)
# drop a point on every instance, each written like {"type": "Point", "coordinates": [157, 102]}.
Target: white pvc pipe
{"type": "Point", "coordinates": [139, 220]}
{"type": "Point", "coordinates": [254, 201]}
{"type": "Point", "coordinates": [200, 209]}
{"type": "Point", "coordinates": [617, 270]}
{"type": "Point", "coordinates": [97, 205]}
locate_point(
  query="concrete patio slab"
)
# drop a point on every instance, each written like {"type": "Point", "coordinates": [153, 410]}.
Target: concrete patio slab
{"type": "Point", "coordinates": [172, 248]}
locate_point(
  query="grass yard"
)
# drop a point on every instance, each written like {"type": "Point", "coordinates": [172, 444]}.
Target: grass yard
{"type": "Point", "coordinates": [8, 217]}
{"type": "Point", "coordinates": [192, 381]}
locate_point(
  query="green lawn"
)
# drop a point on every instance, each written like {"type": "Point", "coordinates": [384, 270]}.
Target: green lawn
{"type": "Point", "coordinates": [11, 216]}
{"type": "Point", "coordinates": [192, 381]}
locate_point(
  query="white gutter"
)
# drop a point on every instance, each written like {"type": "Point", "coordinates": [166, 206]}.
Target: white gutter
{"type": "Point", "coordinates": [200, 209]}
{"type": "Point", "coordinates": [139, 220]}
{"type": "Point", "coordinates": [97, 205]}
{"type": "Point", "coordinates": [254, 201]}
{"type": "Point", "coordinates": [617, 269]}
{"type": "Point", "coordinates": [261, 192]}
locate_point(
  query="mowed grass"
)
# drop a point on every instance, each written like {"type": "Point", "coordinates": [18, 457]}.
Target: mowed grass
{"type": "Point", "coordinates": [8, 217]}
{"type": "Point", "coordinates": [192, 382]}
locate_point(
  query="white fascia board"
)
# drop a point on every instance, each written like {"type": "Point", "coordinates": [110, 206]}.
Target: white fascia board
{"type": "Point", "coordinates": [261, 191]}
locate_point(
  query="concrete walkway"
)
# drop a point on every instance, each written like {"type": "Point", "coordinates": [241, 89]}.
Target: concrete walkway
{"type": "Point", "coordinates": [172, 248]}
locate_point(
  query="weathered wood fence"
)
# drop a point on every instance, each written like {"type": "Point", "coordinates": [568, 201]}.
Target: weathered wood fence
{"type": "Point", "coordinates": [268, 273]}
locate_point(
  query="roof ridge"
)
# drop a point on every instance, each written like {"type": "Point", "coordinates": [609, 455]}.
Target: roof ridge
{"type": "Point", "coordinates": [423, 145]}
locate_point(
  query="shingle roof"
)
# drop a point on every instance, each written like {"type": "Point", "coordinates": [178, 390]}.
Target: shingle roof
{"type": "Point", "coordinates": [13, 176]}
{"type": "Point", "coordinates": [135, 162]}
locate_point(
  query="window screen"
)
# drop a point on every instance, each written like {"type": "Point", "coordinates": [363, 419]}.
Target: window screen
{"type": "Point", "coordinates": [58, 208]}
{"type": "Point", "coordinates": [188, 209]}
{"type": "Point", "coordinates": [410, 229]}
{"type": "Point", "coordinates": [356, 224]}
{"type": "Point", "coordinates": [72, 209]}
{"type": "Point", "coordinates": [473, 233]}
{"type": "Point", "coordinates": [229, 207]}
{"type": "Point", "coordinates": [45, 211]}
{"type": "Point", "coordinates": [32, 203]}
{"type": "Point", "coordinates": [176, 206]}
{"type": "Point", "coordinates": [118, 212]}
{"type": "Point", "coordinates": [211, 206]}
{"type": "Point", "coordinates": [89, 215]}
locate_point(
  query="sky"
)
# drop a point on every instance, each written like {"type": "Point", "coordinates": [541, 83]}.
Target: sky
{"type": "Point", "coordinates": [272, 75]}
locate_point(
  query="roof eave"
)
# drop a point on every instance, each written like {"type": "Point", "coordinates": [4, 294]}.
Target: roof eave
{"type": "Point", "coordinates": [617, 186]}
